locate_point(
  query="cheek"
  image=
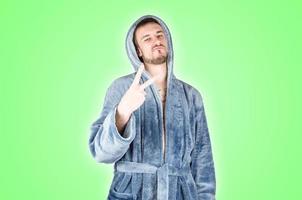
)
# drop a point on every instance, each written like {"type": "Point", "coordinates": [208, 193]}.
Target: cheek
{"type": "Point", "coordinates": [147, 50]}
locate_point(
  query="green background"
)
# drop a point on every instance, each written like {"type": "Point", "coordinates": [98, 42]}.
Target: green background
{"type": "Point", "coordinates": [59, 57]}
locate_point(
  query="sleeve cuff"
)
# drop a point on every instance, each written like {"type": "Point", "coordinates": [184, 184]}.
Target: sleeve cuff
{"type": "Point", "coordinates": [112, 133]}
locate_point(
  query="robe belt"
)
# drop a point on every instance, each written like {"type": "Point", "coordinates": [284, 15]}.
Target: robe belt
{"type": "Point", "coordinates": [162, 174]}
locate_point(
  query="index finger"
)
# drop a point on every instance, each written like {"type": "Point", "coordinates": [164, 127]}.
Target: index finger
{"type": "Point", "coordinates": [138, 74]}
{"type": "Point", "coordinates": [147, 83]}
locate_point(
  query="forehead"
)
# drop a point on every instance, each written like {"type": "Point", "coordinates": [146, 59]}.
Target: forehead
{"type": "Point", "coordinates": [149, 28]}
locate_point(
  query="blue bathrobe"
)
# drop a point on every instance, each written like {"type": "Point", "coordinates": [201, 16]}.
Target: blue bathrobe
{"type": "Point", "coordinates": [141, 171]}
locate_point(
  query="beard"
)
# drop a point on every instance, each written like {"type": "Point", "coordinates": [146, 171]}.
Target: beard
{"type": "Point", "coordinates": [156, 61]}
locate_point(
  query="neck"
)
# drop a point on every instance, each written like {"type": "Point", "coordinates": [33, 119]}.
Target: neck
{"type": "Point", "coordinates": [160, 71]}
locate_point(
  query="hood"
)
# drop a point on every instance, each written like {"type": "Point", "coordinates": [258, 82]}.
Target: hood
{"type": "Point", "coordinates": [131, 52]}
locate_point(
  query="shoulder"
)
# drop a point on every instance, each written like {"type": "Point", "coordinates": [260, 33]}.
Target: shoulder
{"type": "Point", "coordinates": [191, 92]}
{"type": "Point", "coordinates": [119, 86]}
{"type": "Point", "coordinates": [121, 83]}
{"type": "Point", "coordinates": [123, 80]}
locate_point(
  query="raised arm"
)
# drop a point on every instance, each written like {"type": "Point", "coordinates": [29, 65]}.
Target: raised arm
{"type": "Point", "coordinates": [114, 130]}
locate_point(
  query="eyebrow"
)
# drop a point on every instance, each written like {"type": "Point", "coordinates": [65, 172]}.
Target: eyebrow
{"type": "Point", "coordinates": [149, 34]}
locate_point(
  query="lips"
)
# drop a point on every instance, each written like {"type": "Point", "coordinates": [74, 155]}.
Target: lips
{"type": "Point", "coordinates": [160, 47]}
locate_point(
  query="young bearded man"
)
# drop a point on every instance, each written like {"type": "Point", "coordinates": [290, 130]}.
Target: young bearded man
{"type": "Point", "coordinates": [153, 126]}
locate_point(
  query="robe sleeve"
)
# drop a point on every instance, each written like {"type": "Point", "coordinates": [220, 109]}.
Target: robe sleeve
{"type": "Point", "coordinates": [202, 164]}
{"type": "Point", "coordinates": [106, 144]}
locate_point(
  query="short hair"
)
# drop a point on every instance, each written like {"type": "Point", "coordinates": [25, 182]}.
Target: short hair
{"type": "Point", "coordinates": [140, 24]}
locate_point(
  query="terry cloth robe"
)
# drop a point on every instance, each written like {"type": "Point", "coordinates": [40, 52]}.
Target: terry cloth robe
{"type": "Point", "coordinates": [140, 170]}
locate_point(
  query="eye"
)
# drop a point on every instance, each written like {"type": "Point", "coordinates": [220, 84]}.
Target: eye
{"type": "Point", "coordinates": [160, 36]}
{"type": "Point", "coordinates": [147, 39]}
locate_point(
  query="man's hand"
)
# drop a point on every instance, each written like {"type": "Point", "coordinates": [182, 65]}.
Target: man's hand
{"type": "Point", "coordinates": [132, 99]}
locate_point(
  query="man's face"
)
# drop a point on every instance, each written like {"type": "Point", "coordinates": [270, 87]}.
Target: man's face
{"type": "Point", "coordinates": [152, 43]}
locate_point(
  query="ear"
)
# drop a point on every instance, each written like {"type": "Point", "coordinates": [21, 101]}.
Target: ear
{"type": "Point", "coordinates": [139, 52]}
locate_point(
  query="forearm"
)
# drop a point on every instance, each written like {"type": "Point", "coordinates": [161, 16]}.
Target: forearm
{"type": "Point", "coordinates": [121, 119]}
{"type": "Point", "coordinates": [106, 143]}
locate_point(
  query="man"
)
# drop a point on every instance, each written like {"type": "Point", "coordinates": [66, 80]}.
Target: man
{"type": "Point", "coordinates": [153, 126]}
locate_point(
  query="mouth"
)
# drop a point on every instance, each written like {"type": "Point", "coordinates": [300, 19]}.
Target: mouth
{"type": "Point", "coordinates": [156, 48]}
